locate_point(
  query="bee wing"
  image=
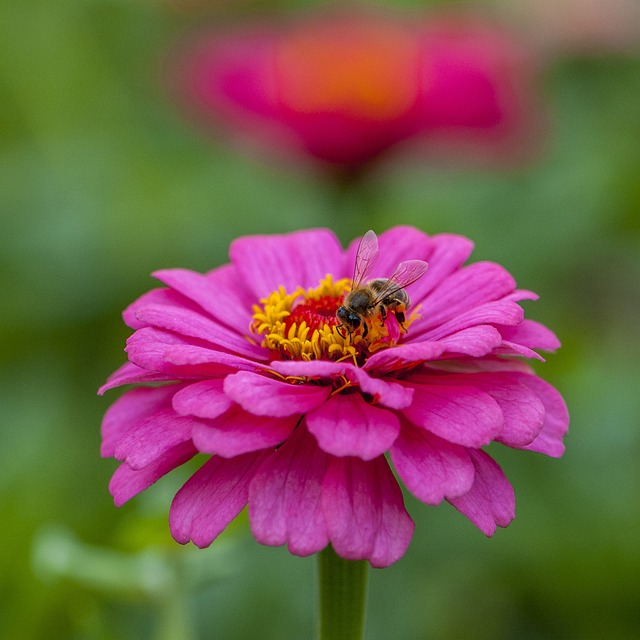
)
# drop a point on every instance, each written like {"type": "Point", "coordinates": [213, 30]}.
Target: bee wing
{"type": "Point", "coordinates": [405, 274]}
{"type": "Point", "coordinates": [365, 257]}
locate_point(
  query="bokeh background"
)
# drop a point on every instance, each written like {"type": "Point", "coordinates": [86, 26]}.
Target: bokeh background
{"type": "Point", "coordinates": [102, 180]}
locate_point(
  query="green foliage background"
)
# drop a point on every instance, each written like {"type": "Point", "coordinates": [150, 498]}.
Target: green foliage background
{"type": "Point", "coordinates": [101, 182]}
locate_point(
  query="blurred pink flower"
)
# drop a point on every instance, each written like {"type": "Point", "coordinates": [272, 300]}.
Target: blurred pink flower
{"type": "Point", "coordinates": [345, 87]}
{"type": "Point", "coordinates": [297, 413]}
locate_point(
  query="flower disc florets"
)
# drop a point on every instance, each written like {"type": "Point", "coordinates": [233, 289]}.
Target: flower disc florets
{"type": "Point", "coordinates": [303, 417]}
{"type": "Point", "coordinates": [303, 325]}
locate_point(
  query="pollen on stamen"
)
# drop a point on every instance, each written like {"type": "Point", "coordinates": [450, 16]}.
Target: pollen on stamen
{"type": "Point", "coordinates": [303, 326]}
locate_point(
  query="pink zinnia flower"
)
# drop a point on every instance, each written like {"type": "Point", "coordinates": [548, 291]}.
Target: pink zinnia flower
{"type": "Point", "coordinates": [303, 419]}
{"type": "Point", "coordinates": [345, 87]}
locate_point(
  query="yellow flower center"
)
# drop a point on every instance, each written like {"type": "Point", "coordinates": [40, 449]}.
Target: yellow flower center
{"type": "Point", "coordinates": [362, 70]}
{"type": "Point", "coordinates": [303, 326]}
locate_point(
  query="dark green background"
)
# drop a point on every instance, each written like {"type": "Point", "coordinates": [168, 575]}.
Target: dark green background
{"type": "Point", "coordinates": [101, 182]}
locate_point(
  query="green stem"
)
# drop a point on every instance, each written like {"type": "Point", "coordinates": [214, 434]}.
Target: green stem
{"type": "Point", "coordinates": [343, 595]}
{"type": "Point", "coordinates": [174, 621]}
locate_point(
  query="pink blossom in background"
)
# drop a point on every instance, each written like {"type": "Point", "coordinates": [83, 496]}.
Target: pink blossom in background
{"type": "Point", "coordinates": [343, 88]}
{"type": "Point", "coordinates": [303, 421]}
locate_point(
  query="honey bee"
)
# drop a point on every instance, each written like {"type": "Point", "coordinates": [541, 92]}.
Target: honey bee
{"type": "Point", "coordinates": [376, 298]}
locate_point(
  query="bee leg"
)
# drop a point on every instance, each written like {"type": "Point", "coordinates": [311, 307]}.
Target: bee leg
{"type": "Point", "coordinates": [401, 320]}
{"type": "Point", "coordinates": [365, 330]}
{"type": "Point", "coordinates": [383, 314]}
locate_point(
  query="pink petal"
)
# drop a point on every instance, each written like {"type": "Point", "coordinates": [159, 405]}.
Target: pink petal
{"type": "Point", "coordinates": [212, 498]}
{"type": "Point", "coordinates": [171, 355]}
{"type": "Point", "coordinates": [237, 432]}
{"type": "Point", "coordinates": [447, 254]}
{"type": "Point", "coordinates": [193, 324]}
{"type": "Point", "coordinates": [127, 483]}
{"type": "Point", "coordinates": [152, 436]}
{"type": "Point", "coordinates": [531, 334]}
{"type": "Point", "coordinates": [522, 410]}
{"type": "Point", "coordinates": [465, 289]}
{"type": "Point", "coordinates": [491, 500]}
{"type": "Point", "coordinates": [130, 373]}
{"type": "Point", "coordinates": [473, 81]}
{"type": "Point", "coordinates": [200, 361]}
{"type": "Point", "coordinates": [146, 348]}
{"type": "Point", "coordinates": [205, 399]}
{"type": "Point", "coordinates": [158, 297]}
{"type": "Point", "coordinates": [309, 369]}
{"type": "Point", "coordinates": [522, 294]}
{"type": "Point", "coordinates": [346, 425]}
{"type": "Point", "coordinates": [512, 349]}
{"type": "Point", "coordinates": [499, 312]}
{"type": "Point", "coordinates": [475, 342]}
{"type": "Point", "coordinates": [556, 421]}
{"type": "Point", "coordinates": [263, 396]}
{"type": "Point", "coordinates": [400, 357]}
{"type": "Point", "coordinates": [387, 393]}
{"type": "Point", "coordinates": [222, 73]}
{"type": "Point", "coordinates": [130, 408]}
{"type": "Point", "coordinates": [285, 496]}
{"type": "Point", "coordinates": [460, 414]}
{"type": "Point", "coordinates": [431, 468]}
{"type": "Point", "coordinates": [390, 394]}
{"type": "Point", "coordinates": [486, 364]}
{"type": "Point", "coordinates": [299, 259]}
{"type": "Point", "coordinates": [364, 511]}
{"type": "Point", "coordinates": [220, 293]}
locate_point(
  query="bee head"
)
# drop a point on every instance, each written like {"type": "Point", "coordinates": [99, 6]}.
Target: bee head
{"type": "Point", "coordinates": [347, 318]}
